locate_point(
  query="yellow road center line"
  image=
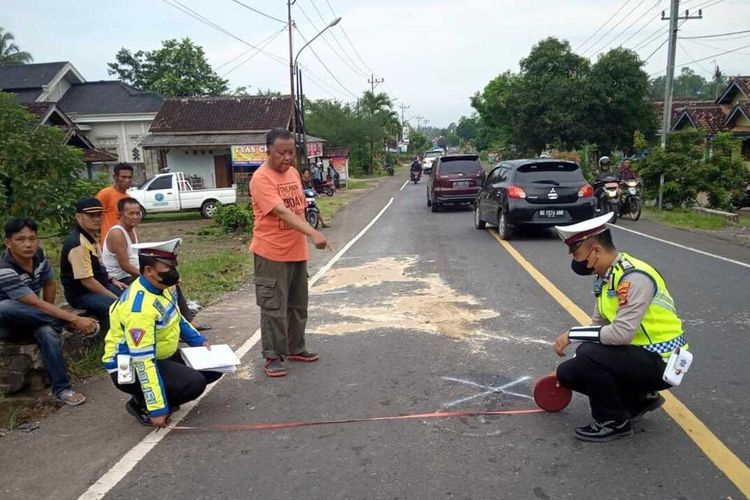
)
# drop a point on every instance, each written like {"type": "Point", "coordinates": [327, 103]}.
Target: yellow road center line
{"type": "Point", "coordinates": [716, 451]}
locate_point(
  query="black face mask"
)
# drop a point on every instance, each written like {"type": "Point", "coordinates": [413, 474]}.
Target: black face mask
{"type": "Point", "coordinates": [582, 267]}
{"type": "Point", "coordinates": [169, 278]}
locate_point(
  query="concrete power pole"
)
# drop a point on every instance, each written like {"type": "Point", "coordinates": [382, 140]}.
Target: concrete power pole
{"type": "Point", "coordinates": [290, 25]}
{"type": "Point", "coordinates": [674, 16]}
{"type": "Point", "coordinates": [374, 82]}
{"type": "Point", "coordinates": [419, 121]}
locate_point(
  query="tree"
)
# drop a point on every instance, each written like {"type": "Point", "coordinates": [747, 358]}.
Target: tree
{"type": "Point", "coordinates": [9, 51]}
{"type": "Point", "coordinates": [418, 143]}
{"type": "Point", "coordinates": [618, 100]}
{"type": "Point", "coordinates": [688, 85]}
{"type": "Point", "coordinates": [178, 68]}
{"type": "Point", "coordinates": [39, 173]}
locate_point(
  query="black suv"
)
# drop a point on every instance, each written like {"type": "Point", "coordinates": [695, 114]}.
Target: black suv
{"type": "Point", "coordinates": [537, 192]}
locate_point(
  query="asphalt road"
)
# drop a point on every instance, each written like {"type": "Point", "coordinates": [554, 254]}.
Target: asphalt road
{"type": "Point", "coordinates": [426, 313]}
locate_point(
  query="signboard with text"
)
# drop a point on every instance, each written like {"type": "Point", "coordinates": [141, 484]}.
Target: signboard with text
{"type": "Point", "coordinates": [251, 155]}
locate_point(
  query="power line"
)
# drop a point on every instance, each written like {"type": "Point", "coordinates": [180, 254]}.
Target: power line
{"type": "Point", "coordinates": [326, 67]}
{"type": "Point", "coordinates": [642, 28]}
{"type": "Point", "coordinates": [613, 28]}
{"type": "Point", "coordinates": [349, 40]}
{"type": "Point", "coordinates": [356, 70]}
{"type": "Point", "coordinates": [707, 58]}
{"type": "Point", "coordinates": [245, 52]}
{"type": "Point", "coordinates": [262, 45]}
{"type": "Point", "coordinates": [714, 47]}
{"type": "Point", "coordinates": [336, 39]}
{"type": "Point", "coordinates": [602, 26]}
{"type": "Point", "coordinates": [718, 35]}
{"type": "Point", "coordinates": [269, 16]}
{"type": "Point", "coordinates": [617, 37]}
{"type": "Point", "coordinates": [656, 50]}
{"type": "Point", "coordinates": [685, 51]}
{"type": "Point", "coordinates": [183, 8]}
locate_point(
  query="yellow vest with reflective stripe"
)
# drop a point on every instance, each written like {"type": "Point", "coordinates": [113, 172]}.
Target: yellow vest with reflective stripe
{"type": "Point", "coordinates": [660, 324]}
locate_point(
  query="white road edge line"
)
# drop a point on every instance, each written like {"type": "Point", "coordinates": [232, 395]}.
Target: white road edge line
{"type": "Point", "coordinates": [684, 247]}
{"type": "Point", "coordinates": [405, 184]}
{"type": "Point", "coordinates": [114, 475]}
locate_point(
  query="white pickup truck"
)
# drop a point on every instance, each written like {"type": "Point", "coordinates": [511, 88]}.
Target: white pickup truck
{"type": "Point", "coordinates": [171, 192]}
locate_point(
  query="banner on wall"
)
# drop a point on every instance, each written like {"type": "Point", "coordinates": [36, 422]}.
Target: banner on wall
{"type": "Point", "coordinates": [314, 149]}
{"type": "Point", "coordinates": [251, 155]}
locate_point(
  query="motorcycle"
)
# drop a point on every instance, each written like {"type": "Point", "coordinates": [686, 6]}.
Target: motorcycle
{"type": "Point", "coordinates": [630, 198]}
{"type": "Point", "coordinates": [312, 212]}
{"type": "Point", "coordinates": [326, 187]}
{"type": "Point", "coordinates": [415, 176]}
{"type": "Point", "coordinates": [608, 198]}
{"type": "Point", "coordinates": [389, 168]}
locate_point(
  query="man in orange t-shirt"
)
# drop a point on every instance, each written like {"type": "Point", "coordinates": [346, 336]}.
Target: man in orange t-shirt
{"type": "Point", "coordinates": [280, 250]}
{"type": "Point", "coordinates": [110, 196]}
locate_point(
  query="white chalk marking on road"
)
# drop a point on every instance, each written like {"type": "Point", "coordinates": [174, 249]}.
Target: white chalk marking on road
{"type": "Point", "coordinates": [335, 292]}
{"type": "Point", "coordinates": [684, 247]}
{"type": "Point", "coordinates": [489, 390]}
{"type": "Point", "coordinates": [114, 475]}
{"type": "Point", "coordinates": [406, 183]}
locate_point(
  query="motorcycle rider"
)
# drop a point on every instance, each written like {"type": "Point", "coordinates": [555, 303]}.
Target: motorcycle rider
{"type": "Point", "coordinates": [602, 177]}
{"type": "Point", "coordinates": [307, 184]}
{"type": "Point", "coordinates": [416, 167]}
{"type": "Point", "coordinates": [625, 173]}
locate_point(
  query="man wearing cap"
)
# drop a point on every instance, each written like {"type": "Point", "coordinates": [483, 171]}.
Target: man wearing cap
{"type": "Point", "coordinates": [622, 356]}
{"type": "Point", "coordinates": [146, 327]}
{"type": "Point", "coordinates": [280, 250]}
{"type": "Point", "coordinates": [85, 280]}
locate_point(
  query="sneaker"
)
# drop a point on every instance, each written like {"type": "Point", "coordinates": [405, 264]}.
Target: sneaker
{"type": "Point", "coordinates": [140, 414]}
{"type": "Point", "coordinates": [70, 397]}
{"type": "Point", "coordinates": [653, 401]}
{"type": "Point", "coordinates": [599, 432]}
{"type": "Point", "coordinates": [304, 356]}
{"type": "Point", "coordinates": [274, 368]}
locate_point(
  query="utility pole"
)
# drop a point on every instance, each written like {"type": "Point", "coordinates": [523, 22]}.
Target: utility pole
{"type": "Point", "coordinates": [374, 82]}
{"type": "Point", "coordinates": [290, 25]}
{"type": "Point", "coordinates": [674, 16]}
{"type": "Point", "coordinates": [419, 121]}
{"type": "Point", "coordinates": [403, 107]}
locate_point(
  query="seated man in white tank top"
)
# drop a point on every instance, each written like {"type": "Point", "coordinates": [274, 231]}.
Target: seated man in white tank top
{"type": "Point", "coordinates": [118, 254]}
{"type": "Point", "coordinates": [121, 259]}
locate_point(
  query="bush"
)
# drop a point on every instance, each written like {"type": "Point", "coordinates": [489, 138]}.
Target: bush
{"type": "Point", "coordinates": [234, 218]}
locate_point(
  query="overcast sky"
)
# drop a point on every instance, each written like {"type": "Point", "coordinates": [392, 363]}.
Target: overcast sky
{"type": "Point", "coordinates": [433, 54]}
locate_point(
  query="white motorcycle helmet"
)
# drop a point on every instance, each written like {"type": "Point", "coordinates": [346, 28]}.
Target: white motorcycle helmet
{"type": "Point", "coordinates": [604, 162]}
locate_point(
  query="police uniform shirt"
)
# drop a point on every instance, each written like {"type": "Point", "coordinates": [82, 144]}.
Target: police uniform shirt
{"type": "Point", "coordinates": [147, 325]}
{"type": "Point", "coordinates": [634, 300]}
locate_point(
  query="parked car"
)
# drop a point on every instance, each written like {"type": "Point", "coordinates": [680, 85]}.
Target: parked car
{"type": "Point", "coordinates": [429, 159]}
{"type": "Point", "coordinates": [536, 192]}
{"type": "Point", "coordinates": [454, 179]}
{"type": "Point", "coordinates": [171, 192]}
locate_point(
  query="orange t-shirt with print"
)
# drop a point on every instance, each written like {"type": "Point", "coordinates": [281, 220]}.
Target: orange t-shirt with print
{"type": "Point", "coordinates": [109, 197]}
{"type": "Point", "coordinates": [273, 239]}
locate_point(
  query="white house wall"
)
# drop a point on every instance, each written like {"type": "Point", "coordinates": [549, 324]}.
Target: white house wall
{"type": "Point", "coordinates": [118, 137]}
{"type": "Point", "coordinates": [201, 165]}
{"type": "Point", "coordinates": [56, 93]}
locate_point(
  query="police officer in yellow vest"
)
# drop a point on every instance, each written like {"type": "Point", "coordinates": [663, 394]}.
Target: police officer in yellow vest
{"type": "Point", "coordinates": [140, 351]}
{"type": "Point", "coordinates": [621, 358]}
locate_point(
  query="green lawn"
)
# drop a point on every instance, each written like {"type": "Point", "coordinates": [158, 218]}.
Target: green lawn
{"type": "Point", "coordinates": [358, 184]}
{"type": "Point", "coordinates": [175, 216]}
{"type": "Point", "coordinates": [688, 219]}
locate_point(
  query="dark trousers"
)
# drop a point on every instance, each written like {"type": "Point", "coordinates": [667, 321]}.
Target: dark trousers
{"type": "Point", "coordinates": [281, 293]}
{"type": "Point", "coordinates": [615, 378]}
{"type": "Point", "coordinates": [20, 318]}
{"type": "Point", "coordinates": [181, 383]}
{"type": "Point", "coordinates": [96, 304]}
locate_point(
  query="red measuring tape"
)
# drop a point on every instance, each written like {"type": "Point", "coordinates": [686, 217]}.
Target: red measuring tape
{"type": "Point", "coordinates": [415, 416]}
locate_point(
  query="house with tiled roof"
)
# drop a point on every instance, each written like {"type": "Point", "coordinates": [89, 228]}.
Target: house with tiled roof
{"type": "Point", "coordinates": [218, 141]}
{"type": "Point", "coordinates": [730, 112]}
{"type": "Point", "coordinates": [111, 115]}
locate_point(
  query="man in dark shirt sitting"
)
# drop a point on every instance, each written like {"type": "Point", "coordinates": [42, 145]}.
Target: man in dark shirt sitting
{"type": "Point", "coordinates": [24, 274]}
{"type": "Point", "coordinates": [85, 280]}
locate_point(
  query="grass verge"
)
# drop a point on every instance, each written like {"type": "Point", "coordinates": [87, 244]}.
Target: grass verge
{"type": "Point", "coordinates": [687, 219]}
{"type": "Point", "coordinates": [330, 205]}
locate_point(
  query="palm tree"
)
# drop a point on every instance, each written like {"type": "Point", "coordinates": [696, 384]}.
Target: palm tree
{"type": "Point", "coordinates": [9, 51]}
{"type": "Point", "coordinates": [376, 107]}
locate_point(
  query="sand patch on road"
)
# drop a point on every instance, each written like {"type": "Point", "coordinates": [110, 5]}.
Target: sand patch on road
{"type": "Point", "coordinates": [430, 305]}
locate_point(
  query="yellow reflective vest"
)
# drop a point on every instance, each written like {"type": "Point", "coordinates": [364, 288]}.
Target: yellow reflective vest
{"type": "Point", "coordinates": [146, 324]}
{"type": "Point", "coordinates": [660, 330]}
